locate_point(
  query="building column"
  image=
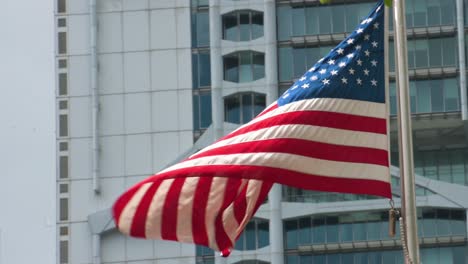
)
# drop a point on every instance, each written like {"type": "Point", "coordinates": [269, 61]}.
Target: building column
{"type": "Point", "coordinates": [216, 61]}
{"type": "Point", "coordinates": [466, 230]}
{"type": "Point", "coordinates": [271, 75]}
{"type": "Point", "coordinates": [461, 59]}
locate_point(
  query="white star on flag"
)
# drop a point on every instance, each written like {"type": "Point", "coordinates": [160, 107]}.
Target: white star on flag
{"type": "Point", "coordinates": [374, 63]}
{"type": "Point", "coordinates": [305, 85]}
{"type": "Point", "coordinates": [326, 81]}
{"type": "Point", "coordinates": [340, 51]}
{"type": "Point", "coordinates": [322, 71]}
{"type": "Point", "coordinates": [344, 80]}
{"type": "Point", "coordinates": [359, 81]}
{"type": "Point", "coordinates": [366, 72]}
{"type": "Point", "coordinates": [374, 44]}
{"type": "Point", "coordinates": [374, 82]}
{"type": "Point", "coordinates": [351, 71]}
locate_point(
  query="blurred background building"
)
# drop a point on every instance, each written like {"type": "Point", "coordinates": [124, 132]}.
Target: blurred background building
{"type": "Point", "coordinates": [143, 83]}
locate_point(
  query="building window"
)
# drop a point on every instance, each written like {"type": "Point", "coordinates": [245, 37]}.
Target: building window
{"type": "Point", "coordinates": [448, 165]}
{"type": "Point", "coordinates": [201, 110]}
{"type": "Point", "coordinates": [200, 29]}
{"type": "Point", "coordinates": [63, 209]}
{"type": "Point", "coordinates": [200, 3]}
{"type": "Point", "coordinates": [423, 13]}
{"type": "Point", "coordinates": [62, 22]}
{"type": "Point", "coordinates": [63, 105]}
{"type": "Point", "coordinates": [204, 255]}
{"type": "Point", "coordinates": [61, 6]}
{"type": "Point", "coordinates": [201, 69]}
{"type": "Point", "coordinates": [64, 230]}
{"type": "Point", "coordinates": [63, 125]}
{"type": "Point", "coordinates": [297, 195]}
{"type": "Point", "coordinates": [242, 25]}
{"type": "Point", "coordinates": [244, 66]}
{"type": "Point", "coordinates": [63, 83]}
{"type": "Point", "coordinates": [431, 255]}
{"type": "Point", "coordinates": [430, 96]}
{"type": "Point", "coordinates": [319, 19]}
{"type": "Point", "coordinates": [62, 42]}
{"type": "Point", "coordinates": [254, 236]}
{"type": "Point", "coordinates": [242, 107]}
{"type": "Point", "coordinates": [368, 226]}
{"type": "Point", "coordinates": [63, 252]}
{"type": "Point", "coordinates": [63, 167]}
{"type": "Point", "coordinates": [63, 146]}
{"type": "Point", "coordinates": [63, 188]}
{"type": "Point", "coordinates": [62, 63]}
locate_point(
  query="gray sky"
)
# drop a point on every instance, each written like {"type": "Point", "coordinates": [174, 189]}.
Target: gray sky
{"type": "Point", "coordinates": [27, 132]}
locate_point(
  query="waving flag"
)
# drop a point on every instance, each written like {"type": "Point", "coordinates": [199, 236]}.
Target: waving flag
{"type": "Point", "coordinates": [328, 132]}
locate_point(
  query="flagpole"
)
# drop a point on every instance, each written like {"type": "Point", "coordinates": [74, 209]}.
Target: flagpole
{"type": "Point", "coordinates": [405, 135]}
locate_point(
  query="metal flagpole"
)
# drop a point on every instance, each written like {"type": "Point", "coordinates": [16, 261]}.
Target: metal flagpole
{"type": "Point", "coordinates": [405, 135]}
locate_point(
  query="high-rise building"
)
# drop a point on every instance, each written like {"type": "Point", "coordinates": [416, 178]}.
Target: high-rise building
{"type": "Point", "coordinates": [143, 83]}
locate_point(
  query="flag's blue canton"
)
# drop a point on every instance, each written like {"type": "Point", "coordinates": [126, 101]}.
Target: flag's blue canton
{"type": "Point", "coordinates": [352, 70]}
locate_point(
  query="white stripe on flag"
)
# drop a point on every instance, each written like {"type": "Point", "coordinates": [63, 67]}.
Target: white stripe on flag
{"type": "Point", "coordinates": [336, 105]}
{"type": "Point", "coordinates": [309, 133]}
{"type": "Point", "coordinates": [295, 163]}
{"type": "Point", "coordinates": [154, 217]}
{"type": "Point", "coordinates": [128, 213]}
{"type": "Point", "coordinates": [213, 205]}
{"type": "Point", "coordinates": [184, 210]}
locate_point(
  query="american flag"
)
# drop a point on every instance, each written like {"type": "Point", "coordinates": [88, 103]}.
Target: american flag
{"type": "Point", "coordinates": [328, 132]}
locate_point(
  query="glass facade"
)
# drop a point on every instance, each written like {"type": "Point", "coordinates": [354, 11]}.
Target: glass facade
{"type": "Point", "coordinates": [300, 20]}
{"type": "Point", "coordinates": [432, 255]}
{"type": "Point", "coordinates": [244, 66]}
{"type": "Point", "coordinates": [201, 67]}
{"type": "Point", "coordinates": [242, 25]}
{"type": "Point", "coordinates": [254, 236]}
{"type": "Point", "coordinates": [243, 107]}
{"type": "Point", "coordinates": [368, 226]}
{"type": "Point", "coordinates": [430, 96]}
{"type": "Point", "coordinates": [428, 53]}
{"type": "Point", "coordinates": [428, 13]}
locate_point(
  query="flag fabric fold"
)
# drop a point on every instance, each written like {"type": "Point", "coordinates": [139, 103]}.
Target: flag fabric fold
{"type": "Point", "coordinates": [328, 132]}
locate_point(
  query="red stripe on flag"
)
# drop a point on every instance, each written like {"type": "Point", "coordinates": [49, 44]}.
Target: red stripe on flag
{"type": "Point", "coordinates": [240, 204]}
{"type": "Point", "coordinates": [319, 118]}
{"type": "Point", "coordinates": [198, 216]}
{"type": "Point", "coordinates": [232, 188]}
{"type": "Point", "coordinates": [284, 176]}
{"type": "Point", "coordinates": [306, 148]}
{"type": "Point", "coordinates": [169, 215]}
{"type": "Point", "coordinates": [122, 201]}
{"type": "Point", "coordinates": [139, 220]}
